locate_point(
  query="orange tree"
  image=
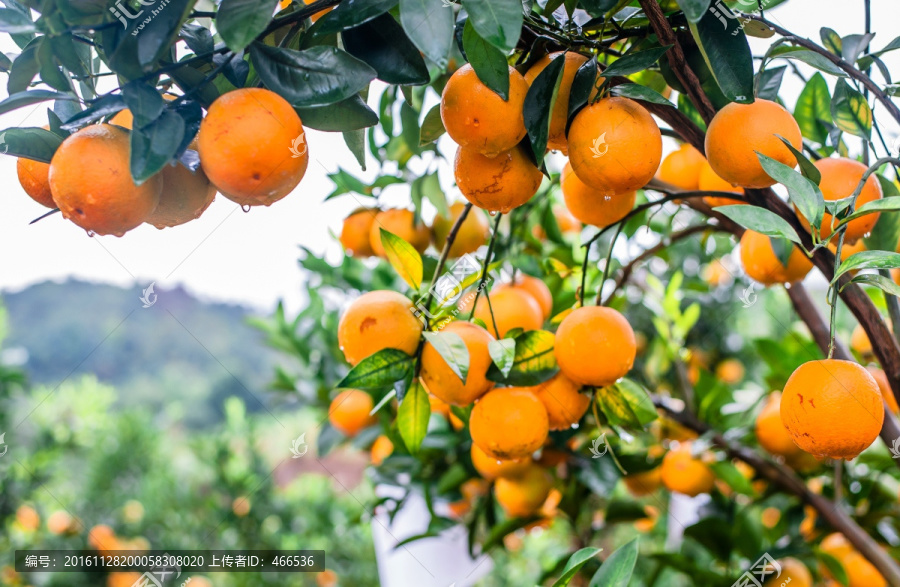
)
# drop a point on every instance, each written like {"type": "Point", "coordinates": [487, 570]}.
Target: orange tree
{"type": "Point", "coordinates": [492, 393]}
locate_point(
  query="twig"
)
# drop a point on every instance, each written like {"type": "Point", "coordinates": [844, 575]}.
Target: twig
{"type": "Point", "coordinates": [487, 264]}
{"type": "Point", "coordinates": [445, 254]}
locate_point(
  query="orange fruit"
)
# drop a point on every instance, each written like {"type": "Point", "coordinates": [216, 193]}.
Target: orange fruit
{"type": "Point", "coordinates": [34, 177]}
{"type": "Point", "coordinates": [770, 517]}
{"type": "Point", "coordinates": [509, 423]}
{"type": "Point", "coordinates": [683, 473]}
{"type": "Point", "coordinates": [316, 16]}
{"type": "Point", "coordinates": [440, 379]}
{"type": "Point", "coordinates": [860, 571]}
{"type": "Point", "coordinates": [123, 118]}
{"type": "Point", "coordinates": [534, 287]}
{"type": "Point", "coordinates": [438, 406]}
{"type": "Point", "coordinates": [681, 167]}
{"type": "Point", "coordinates": [832, 408]}
{"type": "Point", "coordinates": [591, 332]}
{"type": "Point", "coordinates": [836, 545]}
{"type": "Point", "coordinates": [28, 518]}
{"type": "Point", "coordinates": [710, 182]}
{"type": "Point", "coordinates": [473, 232]}
{"type": "Point", "coordinates": [499, 183]}
{"type": "Point", "coordinates": [716, 273]}
{"type": "Point", "coordinates": [840, 177]}
{"type": "Point", "coordinates": [598, 207]}
{"type": "Point", "coordinates": [560, 114]}
{"type": "Point", "coordinates": [61, 522]}
{"type": "Point", "coordinates": [763, 265]}
{"type": "Point", "coordinates": [645, 483]}
{"type": "Point", "coordinates": [381, 449]}
{"type": "Point", "coordinates": [253, 147]}
{"type": "Point", "coordinates": [241, 506]}
{"type": "Point", "coordinates": [566, 222]}
{"type": "Point", "coordinates": [738, 131]}
{"type": "Point", "coordinates": [886, 392]}
{"type": "Point", "coordinates": [477, 118]}
{"type": "Point", "coordinates": [646, 524]}
{"type": "Point", "coordinates": [614, 145]}
{"type": "Point", "coordinates": [101, 197]}
{"type": "Point", "coordinates": [356, 230]}
{"type": "Point", "coordinates": [770, 431]}
{"type": "Point", "coordinates": [491, 467]}
{"type": "Point", "coordinates": [859, 341]}
{"type": "Point", "coordinates": [512, 308]}
{"type": "Point", "coordinates": [349, 411]}
{"type": "Point", "coordinates": [793, 573]}
{"type": "Point", "coordinates": [377, 320]}
{"type": "Point", "coordinates": [564, 403]}
{"type": "Point", "coordinates": [401, 223]}
{"type": "Point", "coordinates": [524, 494]}
{"type": "Point", "coordinates": [184, 197]}
{"type": "Point", "coordinates": [102, 537]}
{"type": "Point", "coordinates": [730, 371]}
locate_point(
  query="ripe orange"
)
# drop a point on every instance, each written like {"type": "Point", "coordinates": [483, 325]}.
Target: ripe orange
{"type": "Point", "coordinates": [682, 167]}
{"type": "Point", "coordinates": [524, 494]}
{"type": "Point", "coordinates": [840, 176]}
{"type": "Point", "coordinates": [499, 183]}
{"type": "Point", "coordinates": [253, 147]}
{"type": "Point", "coordinates": [381, 449]}
{"type": "Point", "coordinates": [793, 573]}
{"type": "Point", "coordinates": [598, 207]}
{"type": "Point", "coordinates": [349, 411]}
{"type": "Point", "coordinates": [763, 265]}
{"type": "Point", "coordinates": [859, 341]}
{"type": "Point", "coordinates": [716, 273]}
{"type": "Point", "coordinates": [770, 431]}
{"type": "Point", "coordinates": [101, 197]}
{"type": "Point", "coordinates": [440, 379]}
{"type": "Point", "coordinates": [477, 118]}
{"type": "Point", "coordinates": [710, 182]}
{"type": "Point", "coordinates": [683, 473]}
{"type": "Point", "coordinates": [28, 518]}
{"type": "Point", "coordinates": [490, 467]}
{"type": "Point", "coordinates": [560, 114]}
{"type": "Point", "coordinates": [832, 408]}
{"type": "Point", "coordinates": [590, 333]}
{"type": "Point", "coordinates": [738, 131]}
{"type": "Point", "coordinates": [886, 392]}
{"type": "Point", "coordinates": [102, 537]}
{"type": "Point", "coordinates": [313, 18]}
{"type": "Point", "coordinates": [241, 506]}
{"type": "Point", "coordinates": [509, 423]}
{"type": "Point", "coordinates": [730, 371]}
{"type": "Point", "coordinates": [770, 517]}
{"type": "Point", "coordinates": [123, 118]}
{"type": "Point", "coordinates": [356, 230]}
{"type": "Point", "coordinates": [60, 522]}
{"type": "Point", "coordinates": [614, 144]}
{"type": "Point", "coordinates": [645, 483]}
{"type": "Point", "coordinates": [185, 196]}
{"type": "Point", "coordinates": [401, 223]}
{"type": "Point", "coordinates": [512, 308]}
{"type": "Point", "coordinates": [860, 571]}
{"type": "Point", "coordinates": [537, 288]}
{"type": "Point", "coordinates": [564, 403]}
{"type": "Point", "coordinates": [34, 177]}
{"type": "Point", "coordinates": [377, 320]}
{"type": "Point", "coordinates": [473, 232]}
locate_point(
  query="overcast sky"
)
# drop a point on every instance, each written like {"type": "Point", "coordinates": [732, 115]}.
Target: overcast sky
{"type": "Point", "coordinates": [251, 258]}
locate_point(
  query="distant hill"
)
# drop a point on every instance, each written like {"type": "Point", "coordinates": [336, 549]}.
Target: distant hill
{"type": "Point", "coordinates": [180, 356]}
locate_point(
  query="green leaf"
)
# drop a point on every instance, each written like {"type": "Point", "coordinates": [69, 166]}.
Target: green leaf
{"type": "Point", "coordinates": [356, 142]}
{"type": "Point", "coordinates": [770, 82]}
{"type": "Point", "coordinates": [830, 40]}
{"type": "Point", "coordinates": [499, 22]}
{"type": "Point", "coordinates": [24, 68]}
{"type": "Point", "coordinates": [538, 106]}
{"type": "Point", "coordinates": [639, 92]}
{"type": "Point", "coordinates": [760, 220]}
{"type": "Point", "coordinates": [432, 126]}
{"type": "Point", "coordinates": [403, 257]}
{"type": "Point", "coordinates": [533, 362]}
{"type": "Point", "coordinates": [144, 101]}
{"type": "Point", "coordinates": [503, 353]}
{"type": "Point", "coordinates": [154, 145]}
{"type": "Point", "coordinates": [853, 46]}
{"type": "Point", "coordinates": [694, 10]}
{"type": "Point", "coordinates": [488, 62]}
{"type": "Point", "coordinates": [102, 107]}
{"type": "Point", "coordinates": [27, 98]}
{"type": "Point", "coordinates": [881, 205]}
{"type": "Point", "coordinates": [576, 561]}
{"type": "Point", "coordinates": [429, 25]}
{"type": "Point", "coordinates": [582, 86]}
{"type": "Point", "coordinates": [802, 191]}
{"type": "Point", "coordinates": [15, 22]}
{"type": "Point", "coordinates": [727, 53]}
{"type": "Point", "coordinates": [382, 44]}
{"type": "Point", "coordinates": [850, 111]}
{"type": "Point", "coordinates": [813, 109]}
{"type": "Point", "coordinates": [635, 62]}
{"type": "Point", "coordinates": [31, 143]}
{"type": "Point", "coordinates": [626, 403]}
{"type": "Point", "coordinates": [834, 566]}
{"type": "Point", "coordinates": [868, 260]}
{"type": "Point", "coordinates": [453, 350]}
{"type": "Point", "coordinates": [351, 13]}
{"type": "Point", "coordinates": [616, 570]}
{"type": "Point", "coordinates": [317, 76]}
{"type": "Point", "coordinates": [429, 187]}
{"type": "Point", "coordinates": [808, 57]}
{"type": "Point", "coordinates": [379, 370]}
{"type": "Point", "coordinates": [350, 114]}
{"type": "Point", "coordinates": [728, 473]}
{"type": "Point", "coordinates": [412, 417]}
{"type": "Point", "coordinates": [241, 21]}
{"type": "Point", "coordinates": [807, 167]}
{"type": "Point", "coordinates": [886, 234]}
{"type": "Point", "coordinates": [883, 283]}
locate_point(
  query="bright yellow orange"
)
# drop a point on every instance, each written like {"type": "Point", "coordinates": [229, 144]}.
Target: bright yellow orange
{"type": "Point", "coordinates": [832, 408]}
{"type": "Point", "coordinates": [591, 332]}
{"type": "Point", "coordinates": [184, 197]}
{"type": "Point", "coordinates": [101, 197]}
{"type": "Point", "coordinates": [509, 423]}
{"type": "Point", "coordinates": [591, 205]}
{"type": "Point", "coordinates": [377, 320]}
{"type": "Point", "coordinates": [512, 308]}
{"type": "Point", "coordinates": [533, 286]}
{"type": "Point", "coordinates": [356, 230]}
{"type": "Point", "coordinates": [860, 571]}
{"type": "Point", "coordinates": [682, 166]}
{"type": "Point", "coordinates": [885, 387]}
{"type": "Point", "coordinates": [473, 232]}
{"type": "Point", "coordinates": [793, 573]}
{"type": "Point", "coordinates": [763, 265]}
{"type": "Point", "coordinates": [770, 431]}
{"type": "Point", "coordinates": [645, 483]}
{"type": "Point", "coordinates": [683, 473]}
{"type": "Point", "coordinates": [840, 177]}
{"type": "Point", "coordinates": [708, 181]}
{"type": "Point", "coordinates": [730, 371]}
{"type": "Point", "coordinates": [440, 379]}
{"type": "Point", "coordinates": [491, 467]}
{"type": "Point", "coordinates": [560, 114]}
{"type": "Point", "coordinates": [563, 401]}
{"type": "Point", "coordinates": [402, 223]}
{"type": "Point", "coordinates": [499, 183]}
{"type": "Point", "coordinates": [615, 145]}
{"type": "Point", "coordinates": [525, 493]}
{"type": "Point", "coordinates": [381, 449]}
{"type": "Point", "coordinates": [349, 411]}
{"type": "Point", "coordinates": [253, 147]}
{"type": "Point", "coordinates": [738, 131]}
{"type": "Point", "coordinates": [34, 177]}
{"type": "Point", "coordinates": [480, 120]}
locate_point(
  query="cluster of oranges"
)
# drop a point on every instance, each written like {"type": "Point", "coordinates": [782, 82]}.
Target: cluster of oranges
{"type": "Point", "coordinates": [251, 146]}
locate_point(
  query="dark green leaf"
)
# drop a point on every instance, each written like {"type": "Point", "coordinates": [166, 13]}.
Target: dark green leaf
{"type": "Point", "coordinates": [728, 56]}
{"type": "Point", "coordinates": [807, 167]}
{"type": "Point", "coordinates": [808, 57]}
{"type": "Point", "coordinates": [616, 570]}
{"type": "Point", "coordinates": [813, 109]}
{"type": "Point", "coordinates": [503, 353]}
{"type": "Point", "coordinates": [488, 62]}
{"type": "Point", "coordinates": [144, 102]}
{"type": "Point", "coordinates": [850, 111]}
{"type": "Point", "coordinates": [432, 127]}
{"type": "Point", "coordinates": [576, 561]}
{"type": "Point", "coordinates": [197, 38]}
{"type": "Point", "coordinates": [382, 44]}
{"type": "Point", "coordinates": [429, 25]}
{"type": "Point", "coordinates": [694, 9]}
{"type": "Point", "coordinates": [379, 370]}
{"type": "Point", "coordinates": [453, 350]}
{"type": "Point", "coordinates": [24, 68]}
{"type": "Point", "coordinates": [103, 107]}
{"type": "Point", "coordinates": [582, 86]}
{"type": "Point", "coordinates": [51, 73]}
{"type": "Point", "coordinates": [31, 143]}
{"type": "Point", "coordinates": [639, 92]}
{"type": "Point", "coordinates": [14, 22]}
{"type": "Point", "coordinates": [883, 283]}
{"type": "Point", "coordinates": [499, 22]}
{"type": "Point", "coordinates": [760, 220]}
{"type": "Point", "coordinates": [241, 21]}
{"type": "Point", "coordinates": [356, 142]}
{"type": "Point", "coordinates": [154, 145]}
{"type": "Point", "coordinates": [412, 417]}
{"type": "Point", "coordinates": [27, 98]}
{"type": "Point", "coordinates": [635, 62]}
{"type": "Point", "coordinates": [403, 257]}
{"type": "Point", "coordinates": [783, 250]}
{"type": "Point", "coordinates": [626, 403]}
{"type": "Point", "coordinates": [346, 115]}
{"type": "Point", "coordinates": [351, 13]}
{"type": "Point", "coordinates": [804, 194]}
{"type": "Point", "coordinates": [713, 533]}
{"type": "Point", "coordinates": [534, 361]}
{"type": "Point", "coordinates": [868, 260]}
{"type": "Point", "coordinates": [770, 82]}
{"type": "Point", "coordinates": [538, 106]}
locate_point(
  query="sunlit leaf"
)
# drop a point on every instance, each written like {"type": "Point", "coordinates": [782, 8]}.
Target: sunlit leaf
{"type": "Point", "coordinates": [403, 257]}
{"type": "Point", "coordinates": [503, 353]}
{"type": "Point", "coordinates": [850, 111]}
{"type": "Point", "coordinates": [574, 564]}
{"type": "Point", "coordinates": [379, 370]}
{"type": "Point", "coordinates": [412, 417]}
{"type": "Point", "coordinates": [626, 403]}
{"type": "Point", "coordinates": [534, 361]}
{"type": "Point", "coordinates": [451, 347]}
{"type": "Point", "coordinates": [868, 260]}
